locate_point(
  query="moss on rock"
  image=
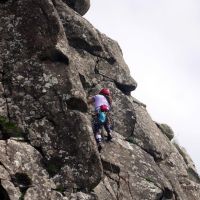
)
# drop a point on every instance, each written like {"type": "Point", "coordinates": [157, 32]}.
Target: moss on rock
{"type": "Point", "coordinates": [165, 129]}
{"type": "Point", "coordinates": [9, 129]}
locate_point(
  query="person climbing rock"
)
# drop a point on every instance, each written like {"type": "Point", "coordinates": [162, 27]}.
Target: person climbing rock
{"type": "Point", "coordinates": [102, 103]}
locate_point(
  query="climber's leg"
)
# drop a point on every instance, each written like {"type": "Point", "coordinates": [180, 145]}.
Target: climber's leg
{"type": "Point", "coordinates": [108, 130]}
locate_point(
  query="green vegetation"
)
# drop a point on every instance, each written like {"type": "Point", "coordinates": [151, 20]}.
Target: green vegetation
{"type": "Point", "coordinates": [149, 179]}
{"type": "Point", "coordinates": [9, 129]}
{"type": "Point", "coordinates": [21, 197]}
{"type": "Point", "coordinates": [60, 189]}
{"type": "Point", "coordinates": [131, 139]}
{"type": "Point", "coordinates": [53, 165]}
{"type": "Point", "coordinates": [53, 168]}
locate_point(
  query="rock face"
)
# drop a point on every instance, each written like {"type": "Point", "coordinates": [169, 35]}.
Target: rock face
{"type": "Point", "coordinates": [51, 61]}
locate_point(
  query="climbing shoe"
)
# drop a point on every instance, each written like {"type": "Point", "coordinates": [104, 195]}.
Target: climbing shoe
{"type": "Point", "coordinates": [99, 147]}
{"type": "Point", "coordinates": [109, 138]}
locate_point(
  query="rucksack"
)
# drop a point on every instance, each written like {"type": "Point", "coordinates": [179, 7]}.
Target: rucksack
{"type": "Point", "coordinates": [101, 116]}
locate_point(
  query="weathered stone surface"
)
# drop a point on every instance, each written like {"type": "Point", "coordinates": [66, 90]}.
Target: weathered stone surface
{"type": "Point", "coordinates": [148, 136]}
{"type": "Point", "coordinates": [23, 163]}
{"type": "Point", "coordinates": [188, 161]}
{"type": "Point", "coordinates": [109, 62]}
{"type": "Point", "coordinates": [36, 193]}
{"type": "Point", "coordinates": [132, 173]}
{"type": "Point", "coordinates": [3, 103]}
{"type": "Point", "coordinates": [51, 61]}
{"type": "Point", "coordinates": [44, 92]}
{"type": "Point", "coordinates": [82, 196]}
{"type": "Point", "coordinates": [11, 190]}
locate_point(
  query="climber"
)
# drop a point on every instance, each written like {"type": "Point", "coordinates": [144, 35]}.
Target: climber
{"type": "Point", "coordinates": [102, 103]}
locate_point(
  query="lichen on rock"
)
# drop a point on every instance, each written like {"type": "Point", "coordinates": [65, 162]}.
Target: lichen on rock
{"type": "Point", "coordinates": [51, 61]}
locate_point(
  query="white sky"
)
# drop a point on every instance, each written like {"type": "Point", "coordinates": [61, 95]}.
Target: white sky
{"type": "Point", "coordinates": [160, 40]}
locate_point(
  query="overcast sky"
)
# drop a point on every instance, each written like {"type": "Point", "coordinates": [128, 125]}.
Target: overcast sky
{"type": "Point", "coordinates": [160, 40]}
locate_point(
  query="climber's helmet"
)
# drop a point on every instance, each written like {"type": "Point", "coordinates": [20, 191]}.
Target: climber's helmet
{"type": "Point", "coordinates": [105, 91]}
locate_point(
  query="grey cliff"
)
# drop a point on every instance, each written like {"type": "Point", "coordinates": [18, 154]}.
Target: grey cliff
{"type": "Point", "coordinates": [51, 61]}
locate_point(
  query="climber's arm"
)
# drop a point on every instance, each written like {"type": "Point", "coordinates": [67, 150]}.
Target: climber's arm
{"type": "Point", "coordinates": [90, 100]}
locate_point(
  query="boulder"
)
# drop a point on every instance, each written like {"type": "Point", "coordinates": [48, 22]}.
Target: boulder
{"type": "Point", "coordinates": [80, 6]}
{"type": "Point", "coordinates": [165, 129]}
